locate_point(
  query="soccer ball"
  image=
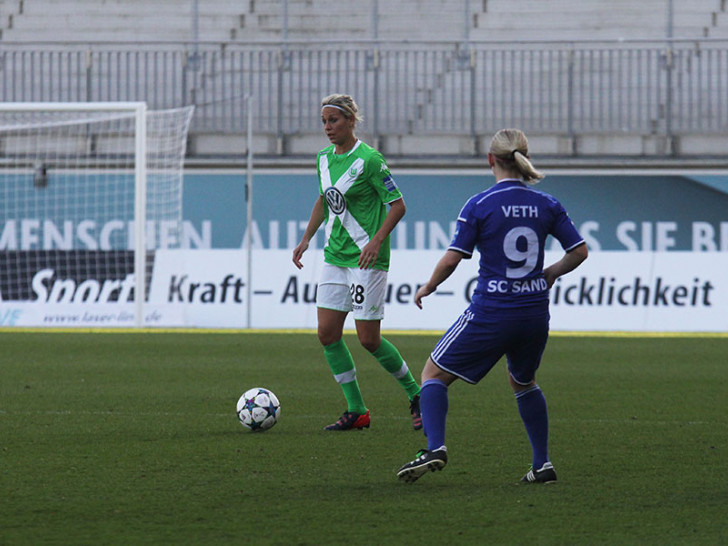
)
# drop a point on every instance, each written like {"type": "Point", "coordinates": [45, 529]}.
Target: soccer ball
{"type": "Point", "coordinates": [258, 409]}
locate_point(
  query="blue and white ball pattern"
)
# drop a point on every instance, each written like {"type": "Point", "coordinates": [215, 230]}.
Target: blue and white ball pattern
{"type": "Point", "coordinates": [258, 409]}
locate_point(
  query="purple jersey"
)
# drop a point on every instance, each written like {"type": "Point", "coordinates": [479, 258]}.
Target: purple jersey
{"type": "Point", "coordinates": [509, 224]}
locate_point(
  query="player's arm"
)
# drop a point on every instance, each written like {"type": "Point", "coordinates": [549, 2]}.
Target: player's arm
{"type": "Point", "coordinates": [444, 268]}
{"type": "Point", "coordinates": [570, 261]}
{"type": "Point", "coordinates": [371, 250]}
{"type": "Point", "coordinates": [317, 218]}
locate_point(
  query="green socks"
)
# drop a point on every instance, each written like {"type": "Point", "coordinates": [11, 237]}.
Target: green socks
{"type": "Point", "coordinates": [342, 366]}
{"type": "Point", "coordinates": [390, 359]}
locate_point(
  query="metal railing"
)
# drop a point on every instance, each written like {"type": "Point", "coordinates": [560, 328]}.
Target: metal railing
{"type": "Point", "coordinates": [639, 88]}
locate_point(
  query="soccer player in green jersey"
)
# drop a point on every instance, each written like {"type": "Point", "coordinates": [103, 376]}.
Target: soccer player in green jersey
{"type": "Point", "coordinates": [360, 205]}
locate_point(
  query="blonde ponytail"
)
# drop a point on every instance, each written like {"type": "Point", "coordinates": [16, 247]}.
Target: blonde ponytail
{"type": "Point", "coordinates": [510, 147]}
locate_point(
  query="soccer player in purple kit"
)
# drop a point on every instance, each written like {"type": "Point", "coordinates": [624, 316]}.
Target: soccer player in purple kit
{"type": "Point", "coordinates": [509, 313]}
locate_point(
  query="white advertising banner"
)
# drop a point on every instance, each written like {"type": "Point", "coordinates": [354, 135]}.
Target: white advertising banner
{"type": "Point", "coordinates": [86, 315]}
{"type": "Point", "coordinates": [207, 287]}
{"type": "Point", "coordinates": [630, 291]}
{"type": "Point", "coordinates": [644, 291]}
{"type": "Point", "coordinates": [611, 291]}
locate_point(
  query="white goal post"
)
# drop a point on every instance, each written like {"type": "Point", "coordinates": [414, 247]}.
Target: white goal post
{"type": "Point", "coordinates": [88, 192]}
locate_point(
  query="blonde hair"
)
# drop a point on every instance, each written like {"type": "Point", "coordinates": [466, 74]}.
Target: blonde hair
{"type": "Point", "coordinates": [345, 103]}
{"type": "Point", "coordinates": [510, 148]}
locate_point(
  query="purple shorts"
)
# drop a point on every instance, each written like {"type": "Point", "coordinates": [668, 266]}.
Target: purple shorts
{"type": "Point", "coordinates": [477, 341]}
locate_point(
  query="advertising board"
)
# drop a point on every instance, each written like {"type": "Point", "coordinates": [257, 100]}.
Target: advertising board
{"type": "Point", "coordinates": [658, 252]}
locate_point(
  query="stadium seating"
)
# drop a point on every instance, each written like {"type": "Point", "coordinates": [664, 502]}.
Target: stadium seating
{"type": "Point", "coordinates": [613, 20]}
{"type": "Point", "coordinates": [117, 20]}
{"type": "Point", "coordinates": [113, 52]}
{"type": "Point", "coordinates": [255, 20]}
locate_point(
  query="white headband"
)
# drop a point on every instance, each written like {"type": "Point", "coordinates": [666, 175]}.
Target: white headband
{"type": "Point", "coordinates": [334, 106]}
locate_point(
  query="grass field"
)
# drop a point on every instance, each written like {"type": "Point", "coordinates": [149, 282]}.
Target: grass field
{"type": "Point", "coordinates": [124, 438]}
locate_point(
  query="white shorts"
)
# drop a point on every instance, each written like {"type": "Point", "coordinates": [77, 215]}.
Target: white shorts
{"type": "Point", "coordinates": [350, 289]}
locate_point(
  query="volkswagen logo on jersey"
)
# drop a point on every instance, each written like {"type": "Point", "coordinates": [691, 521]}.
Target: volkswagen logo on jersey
{"type": "Point", "coordinates": [335, 199]}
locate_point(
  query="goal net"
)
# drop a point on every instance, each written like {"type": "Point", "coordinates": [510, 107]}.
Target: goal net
{"type": "Point", "coordinates": [88, 192]}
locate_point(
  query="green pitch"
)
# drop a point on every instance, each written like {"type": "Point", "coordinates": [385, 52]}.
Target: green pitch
{"type": "Point", "coordinates": [123, 438]}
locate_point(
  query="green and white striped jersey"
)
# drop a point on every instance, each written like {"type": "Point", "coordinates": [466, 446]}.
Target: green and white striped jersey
{"type": "Point", "coordinates": [356, 186]}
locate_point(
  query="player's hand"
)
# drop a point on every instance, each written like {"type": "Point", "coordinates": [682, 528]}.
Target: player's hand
{"type": "Point", "coordinates": [369, 253]}
{"type": "Point", "coordinates": [298, 253]}
{"type": "Point", "coordinates": [550, 275]}
{"type": "Point", "coordinates": [422, 292]}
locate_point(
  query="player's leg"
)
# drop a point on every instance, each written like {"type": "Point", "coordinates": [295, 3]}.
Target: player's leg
{"type": "Point", "coordinates": [523, 361]}
{"type": "Point", "coordinates": [368, 291]}
{"type": "Point", "coordinates": [334, 302]}
{"type": "Point", "coordinates": [434, 404]}
{"type": "Point", "coordinates": [391, 360]}
{"type": "Point", "coordinates": [534, 414]}
{"type": "Point", "coordinates": [468, 351]}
